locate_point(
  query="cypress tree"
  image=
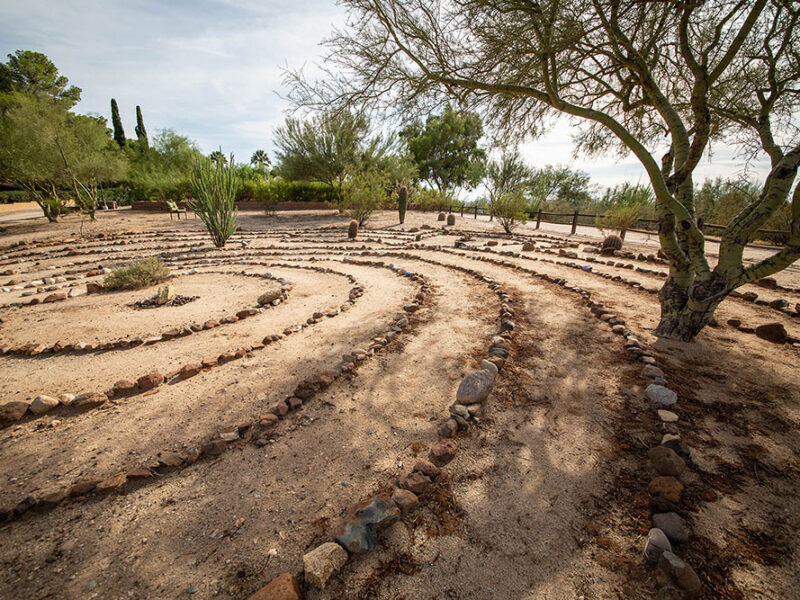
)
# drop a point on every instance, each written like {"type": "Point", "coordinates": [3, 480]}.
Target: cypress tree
{"type": "Point", "coordinates": [141, 133]}
{"type": "Point", "coordinates": [119, 133]}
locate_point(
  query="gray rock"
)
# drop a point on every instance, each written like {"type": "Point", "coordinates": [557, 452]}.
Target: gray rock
{"type": "Point", "coordinates": [672, 525]}
{"type": "Point", "coordinates": [679, 447]}
{"type": "Point", "coordinates": [360, 534]}
{"type": "Point", "coordinates": [475, 387]}
{"type": "Point", "coordinates": [459, 410]}
{"type": "Point", "coordinates": [487, 365]}
{"type": "Point", "coordinates": [681, 573]}
{"type": "Point", "coordinates": [657, 543]}
{"type": "Point", "coordinates": [661, 395]}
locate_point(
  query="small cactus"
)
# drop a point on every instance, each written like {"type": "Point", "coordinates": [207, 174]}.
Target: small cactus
{"type": "Point", "coordinates": [402, 203]}
{"type": "Point", "coordinates": [613, 242]}
{"type": "Point", "coordinates": [451, 219]}
{"type": "Point", "coordinates": [352, 231]}
{"type": "Point", "coordinates": [441, 216]}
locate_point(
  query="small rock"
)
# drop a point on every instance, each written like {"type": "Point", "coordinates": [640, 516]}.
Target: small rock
{"type": "Point", "coordinates": [772, 332]}
{"type": "Point", "coordinates": [149, 381]}
{"type": "Point", "coordinates": [427, 468]}
{"type": "Point", "coordinates": [657, 543]}
{"type": "Point", "coordinates": [66, 399]}
{"type": "Point", "coordinates": [11, 412]}
{"type": "Point", "coordinates": [322, 562]}
{"type": "Point", "coordinates": [475, 387]}
{"type": "Point", "coordinates": [681, 573]}
{"type": "Point", "coordinates": [448, 429]}
{"type": "Point", "coordinates": [652, 371]}
{"type": "Point", "coordinates": [667, 416]}
{"type": "Point", "coordinates": [487, 365]}
{"type": "Point", "coordinates": [90, 400]}
{"type": "Point", "coordinates": [405, 499]}
{"type": "Point", "coordinates": [229, 436]}
{"type": "Point", "coordinates": [678, 446]}
{"type": "Point", "coordinates": [124, 386]}
{"type": "Point", "coordinates": [269, 297]}
{"type": "Point", "coordinates": [672, 526]}
{"type": "Point", "coordinates": [55, 297]}
{"type": "Point", "coordinates": [43, 404]}
{"type": "Point", "coordinates": [666, 461]}
{"type": "Point", "coordinates": [443, 452]}
{"type": "Point", "coordinates": [661, 395]}
{"type": "Point", "coordinates": [415, 482]}
{"type": "Point", "coordinates": [168, 458]}
{"type": "Point", "coordinates": [668, 488]}
{"type": "Point", "coordinates": [283, 587]}
{"type": "Point", "coordinates": [190, 370]}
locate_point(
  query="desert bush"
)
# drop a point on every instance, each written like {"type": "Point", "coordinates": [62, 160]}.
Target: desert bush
{"type": "Point", "coordinates": [137, 275]}
{"type": "Point", "coordinates": [215, 186]}
{"type": "Point", "coordinates": [434, 200]}
{"type": "Point", "coordinates": [364, 193]}
{"type": "Point", "coordinates": [509, 210]}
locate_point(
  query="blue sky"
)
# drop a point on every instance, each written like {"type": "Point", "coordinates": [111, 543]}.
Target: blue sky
{"type": "Point", "coordinates": [211, 70]}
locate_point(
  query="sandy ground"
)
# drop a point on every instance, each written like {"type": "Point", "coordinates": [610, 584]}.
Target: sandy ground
{"type": "Point", "coordinates": [547, 498]}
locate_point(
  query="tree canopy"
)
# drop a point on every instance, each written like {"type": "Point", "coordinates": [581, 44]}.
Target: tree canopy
{"type": "Point", "coordinates": [32, 73]}
{"type": "Point", "coordinates": [445, 148]}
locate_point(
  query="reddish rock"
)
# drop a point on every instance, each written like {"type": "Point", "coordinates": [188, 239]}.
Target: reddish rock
{"type": "Point", "coordinates": [190, 370]}
{"type": "Point", "coordinates": [210, 362]}
{"type": "Point", "coordinates": [54, 498]}
{"type": "Point", "coordinates": [139, 473]}
{"type": "Point", "coordinates": [448, 429]}
{"type": "Point", "coordinates": [124, 386]}
{"type": "Point", "coordinates": [149, 381]}
{"type": "Point", "coordinates": [11, 412]}
{"type": "Point", "coordinates": [90, 400]}
{"type": "Point", "coordinates": [295, 403]}
{"type": "Point", "coordinates": [112, 483]}
{"type": "Point", "coordinates": [213, 448]}
{"type": "Point", "coordinates": [280, 409]}
{"type": "Point", "coordinates": [93, 287]}
{"type": "Point", "coordinates": [268, 420]}
{"type": "Point", "coordinates": [83, 487]}
{"type": "Point", "coordinates": [168, 458]}
{"type": "Point", "coordinates": [247, 312]}
{"type": "Point", "coordinates": [58, 296]}
{"type": "Point", "coordinates": [227, 356]}
{"type": "Point", "coordinates": [414, 482]}
{"type": "Point", "coordinates": [427, 468]}
{"type": "Point", "coordinates": [210, 324]}
{"type": "Point", "coordinates": [443, 452]}
{"type": "Point", "coordinates": [668, 488]}
{"type": "Point", "coordinates": [283, 587]}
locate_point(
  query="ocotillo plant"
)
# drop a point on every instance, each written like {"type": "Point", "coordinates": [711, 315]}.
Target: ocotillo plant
{"type": "Point", "coordinates": [215, 185]}
{"type": "Point", "coordinates": [402, 203]}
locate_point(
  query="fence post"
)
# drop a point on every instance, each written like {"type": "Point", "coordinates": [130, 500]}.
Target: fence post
{"type": "Point", "coordinates": [538, 218]}
{"type": "Point", "coordinates": [462, 209]}
{"type": "Point", "coordinates": [574, 223]}
{"type": "Point", "coordinates": [476, 211]}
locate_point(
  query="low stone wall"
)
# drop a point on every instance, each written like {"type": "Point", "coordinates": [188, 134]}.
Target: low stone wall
{"type": "Point", "coordinates": [157, 206]}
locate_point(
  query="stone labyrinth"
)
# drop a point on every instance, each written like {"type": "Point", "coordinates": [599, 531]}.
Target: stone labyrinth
{"type": "Point", "coordinates": [424, 411]}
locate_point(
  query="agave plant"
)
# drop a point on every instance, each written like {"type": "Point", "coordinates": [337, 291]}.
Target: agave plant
{"type": "Point", "coordinates": [215, 185]}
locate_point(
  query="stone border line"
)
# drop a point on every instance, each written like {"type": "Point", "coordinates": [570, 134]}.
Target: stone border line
{"type": "Point", "coordinates": [256, 431]}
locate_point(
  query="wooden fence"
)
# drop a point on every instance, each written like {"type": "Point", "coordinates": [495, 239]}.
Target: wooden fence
{"type": "Point", "coordinates": [588, 220]}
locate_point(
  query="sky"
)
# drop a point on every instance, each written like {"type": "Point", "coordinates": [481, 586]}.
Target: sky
{"type": "Point", "coordinates": [212, 70]}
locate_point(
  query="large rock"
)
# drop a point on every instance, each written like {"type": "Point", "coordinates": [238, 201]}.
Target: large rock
{"type": "Point", "coordinates": [661, 395]}
{"type": "Point", "coordinates": [322, 562]}
{"type": "Point", "coordinates": [443, 452]}
{"type": "Point", "coordinates": [681, 573]}
{"type": "Point", "coordinates": [657, 543]}
{"type": "Point", "coordinates": [283, 587]}
{"type": "Point", "coordinates": [43, 404]}
{"type": "Point", "coordinates": [360, 532]}
{"type": "Point", "coordinates": [672, 526]}
{"type": "Point", "coordinates": [772, 332]}
{"type": "Point", "coordinates": [11, 412]}
{"type": "Point", "coordinates": [149, 381]}
{"type": "Point", "coordinates": [268, 297]}
{"type": "Point", "coordinates": [666, 461]}
{"type": "Point", "coordinates": [475, 387]}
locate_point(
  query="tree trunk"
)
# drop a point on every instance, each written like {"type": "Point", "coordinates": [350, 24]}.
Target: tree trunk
{"type": "Point", "coordinates": [684, 315]}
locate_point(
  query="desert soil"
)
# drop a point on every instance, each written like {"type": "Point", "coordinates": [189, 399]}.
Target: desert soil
{"type": "Point", "coordinates": [547, 497]}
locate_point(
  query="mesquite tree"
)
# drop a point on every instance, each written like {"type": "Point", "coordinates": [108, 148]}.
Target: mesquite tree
{"type": "Point", "coordinates": [660, 80]}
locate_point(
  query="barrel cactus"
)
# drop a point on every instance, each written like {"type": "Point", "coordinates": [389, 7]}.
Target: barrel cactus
{"type": "Point", "coordinates": [451, 219]}
{"type": "Point", "coordinates": [441, 216]}
{"type": "Point", "coordinates": [612, 243]}
{"type": "Point", "coordinates": [402, 203]}
{"type": "Point", "coordinates": [352, 231]}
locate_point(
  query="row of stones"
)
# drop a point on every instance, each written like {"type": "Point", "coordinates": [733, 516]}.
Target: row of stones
{"type": "Point", "coordinates": [75, 283]}
{"type": "Point", "coordinates": [11, 412]}
{"type": "Point", "coordinates": [782, 308]}
{"type": "Point", "coordinates": [779, 304]}
{"type": "Point", "coordinates": [358, 533]}
{"type": "Point", "coordinates": [667, 459]}
{"type": "Point", "coordinates": [257, 431]}
{"type": "Point", "coordinates": [266, 300]}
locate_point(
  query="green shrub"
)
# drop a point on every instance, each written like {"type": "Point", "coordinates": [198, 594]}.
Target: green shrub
{"type": "Point", "coordinates": [138, 275]}
{"type": "Point", "coordinates": [364, 193]}
{"type": "Point", "coordinates": [509, 210]}
{"type": "Point", "coordinates": [425, 200]}
{"type": "Point", "coordinates": [215, 189]}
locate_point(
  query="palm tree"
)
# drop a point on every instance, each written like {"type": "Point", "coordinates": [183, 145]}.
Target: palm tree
{"type": "Point", "coordinates": [218, 157]}
{"type": "Point", "coordinates": [259, 159]}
